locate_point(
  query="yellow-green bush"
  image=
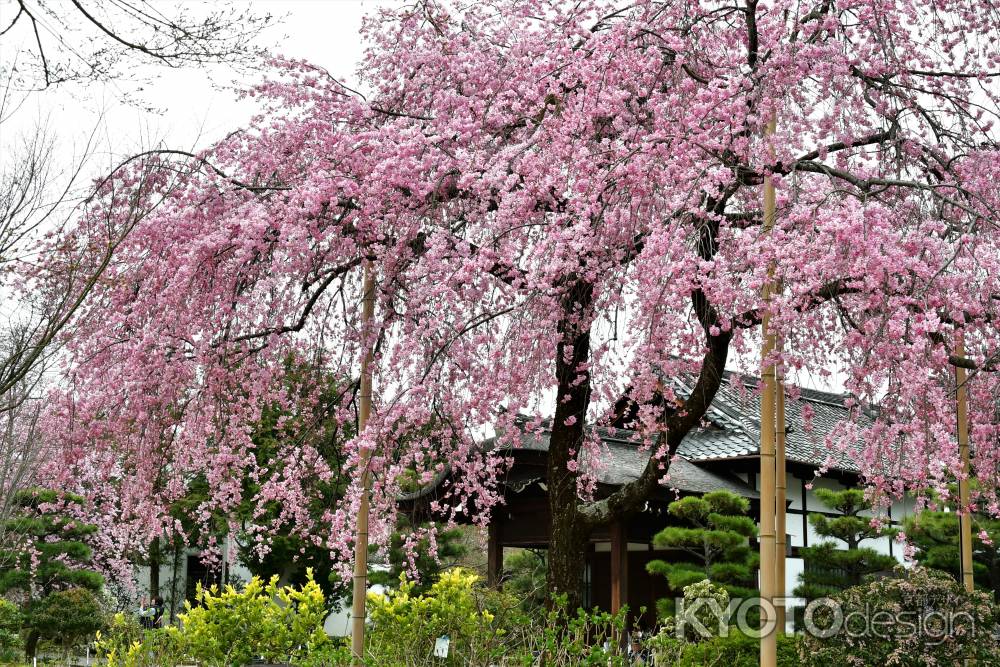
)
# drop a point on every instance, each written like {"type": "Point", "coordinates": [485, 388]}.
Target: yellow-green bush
{"type": "Point", "coordinates": [228, 627]}
{"type": "Point", "coordinates": [231, 627]}
{"type": "Point", "coordinates": [405, 626]}
{"type": "Point", "coordinates": [487, 627]}
{"type": "Point", "coordinates": [126, 644]}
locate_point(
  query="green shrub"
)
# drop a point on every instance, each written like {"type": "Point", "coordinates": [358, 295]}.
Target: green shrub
{"type": "Point", "coordinates": [487, 627]}
{"type": "Point", "coordinates": [734, 650]}
{"type": "Point", "coordinates": [10, 629]}
{"type": "Point", "coordinates": [405, 626]}
{"type": "Point", "coordinates": [116, 640]}
{"type": "Point", "coordinates": [335, 653]}
{"type": "Point", "coordinates": [231, 627]}
{"type": "Point", "coordinates": [704, 616]}
{"type": "Point", "coordinates": [593, 638]}
{"type": "Point", "coordinates": [920, 617]}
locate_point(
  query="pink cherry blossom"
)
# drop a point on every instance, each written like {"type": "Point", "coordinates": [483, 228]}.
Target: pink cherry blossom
{"type": "Point", "coordinates": [561, 201]}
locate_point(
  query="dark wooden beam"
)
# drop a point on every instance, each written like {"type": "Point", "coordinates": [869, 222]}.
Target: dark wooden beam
{"type": "Point", "coordinates": [494, 553]}
{"type": "Point", "coordinates": [619, 566]}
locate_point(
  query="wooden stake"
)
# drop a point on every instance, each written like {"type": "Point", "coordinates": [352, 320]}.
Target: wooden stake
{"type": "Point", "coordinates": [780, 496]}
{"type": "Point", "coordinates": [964, 517]}
{"type": "Point", "coordinates": [768, 640]}
{"type": "Point", "coordinates": [361, 540]}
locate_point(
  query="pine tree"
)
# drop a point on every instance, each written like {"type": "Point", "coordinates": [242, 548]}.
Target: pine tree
{"type": "Point", "coordinates": [48, 556]}
{"type": "Point", "coordinates": [50, 538]}
{"type": "Point", "coordinates": [936, 536]}
{"type": "Point", "coordinates": [830, 569]}
{"type": "Point", "coordinates": [524, 577]}
{"type": "Point", "coordinates": [715, 539]}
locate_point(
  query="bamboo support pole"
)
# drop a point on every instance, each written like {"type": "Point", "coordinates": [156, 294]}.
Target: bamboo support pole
{"type": "Point", "coordinates": [360, 592]}
{"type": "Point", "coordinates": [768, 640]}
{"type": "Point", "coordinates": [780, 499]}
{"type": "Point", "coordinates": [965, 516]}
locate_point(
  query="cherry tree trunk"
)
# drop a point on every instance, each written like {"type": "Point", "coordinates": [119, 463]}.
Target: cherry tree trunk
{"type": "Point", "coordinates": [568, 530]}
{"type": "Point", "coordinates": [566, 557]}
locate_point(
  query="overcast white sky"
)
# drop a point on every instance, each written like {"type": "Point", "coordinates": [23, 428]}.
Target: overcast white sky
{"type": "Point", "coordinates": [194, 106]}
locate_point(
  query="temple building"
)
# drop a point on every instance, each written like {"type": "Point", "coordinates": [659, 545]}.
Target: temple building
{"type": "Point", "coordinates": [722, 454]}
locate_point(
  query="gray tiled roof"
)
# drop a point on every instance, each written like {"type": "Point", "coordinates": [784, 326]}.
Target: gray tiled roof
{"type": "Point", "coordinates": [732, 432]}
{"type": "Point", "coordinates": [623, 461]}
{"type": "Point", "coordinates": [735, 416]}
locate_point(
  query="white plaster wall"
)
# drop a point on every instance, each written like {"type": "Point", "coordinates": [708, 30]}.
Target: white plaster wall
{"type": "Point", "coordinates": [237, 572]}
{"type": "Point", "coordinates": [793, 568]}
{"type": "Point", "coordinates": [338, 623]}
{"type": "Point", "coordinates": [793, 491]}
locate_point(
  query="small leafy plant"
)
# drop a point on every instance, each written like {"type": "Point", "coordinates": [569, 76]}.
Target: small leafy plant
{"type": "Point", "coordinates": [10, 627]}
{"type": "Point", "coordinates": [231, 627]}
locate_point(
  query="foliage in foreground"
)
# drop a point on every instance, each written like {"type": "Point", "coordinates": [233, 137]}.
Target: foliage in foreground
{"type": "Point", "coordinates": [405, 624]}
{"type": "Point", "coordinates": [284, 625]}
{"type": "Point", "coordinates": [725, 645]}
{"type": "Point", "coordinates": [703, 616]}
{"type": "Point", "coordinates": [126, 644]}
{"type": "Point", "coordinates": [920, 617]}
{"type": "Point", "coordinates": [10, 626]}
{"type": "Point", "coordinates": [228, 627]}
{"type": "Point", "coordinates": [487, 627]}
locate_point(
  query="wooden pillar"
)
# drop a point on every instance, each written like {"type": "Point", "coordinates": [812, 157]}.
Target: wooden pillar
{"type": "Point", "coordinates": [494, 553]}
{"type": "Point", "coordinates": [154, 568]}
{"type": "Point", "coordinates": [964, 517]}
{"type": "Point", "coordinates": [619, 566]}
{"type": "Point", "coordinates": [588, 591]}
